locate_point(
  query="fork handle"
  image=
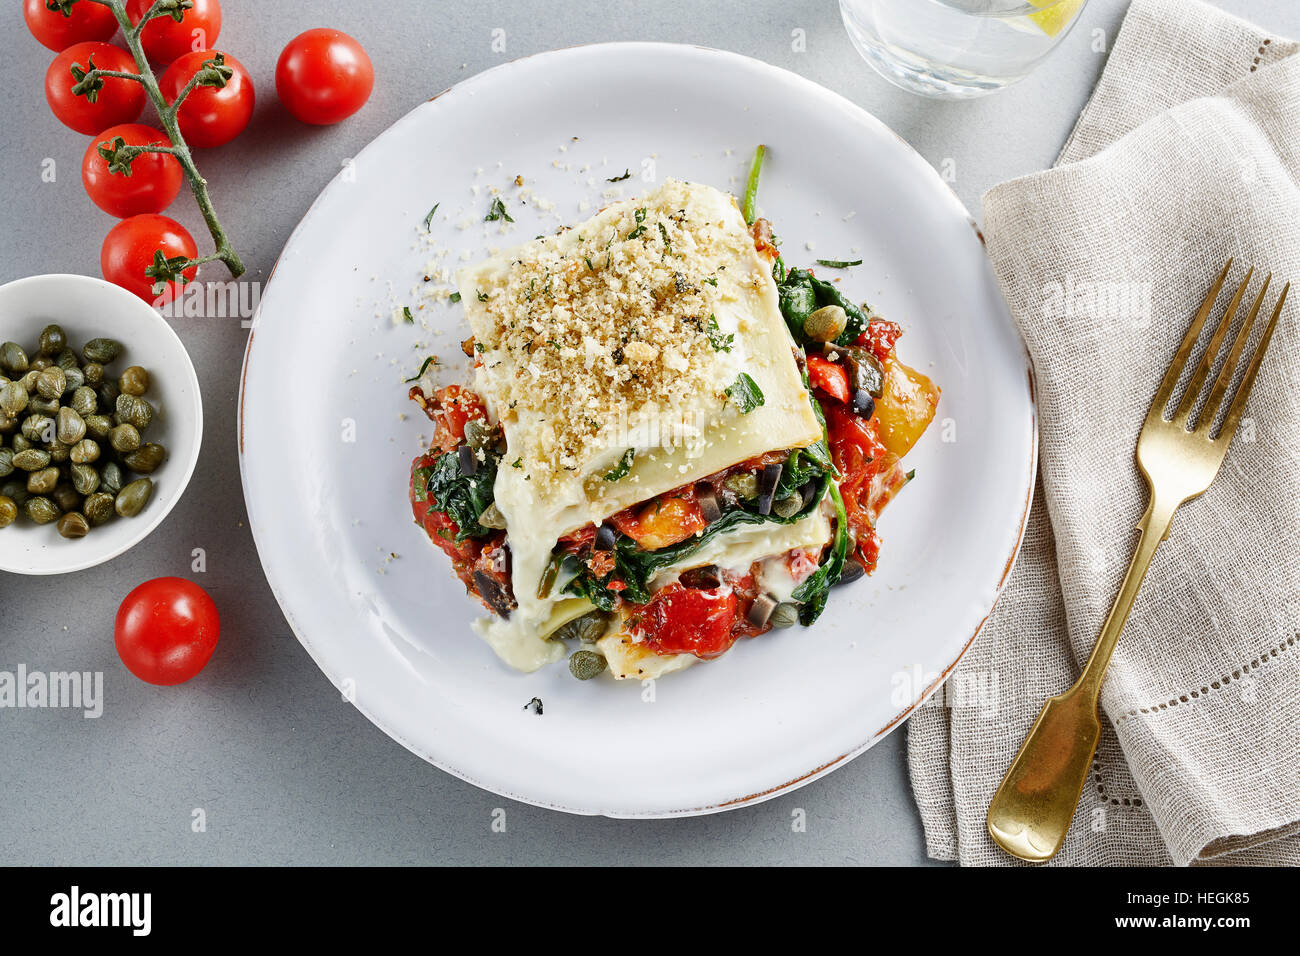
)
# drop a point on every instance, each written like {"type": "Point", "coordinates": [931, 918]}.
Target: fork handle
{"type": "Point", "coordinates": [1036, 801]}
{"type": "Point", "coordinates": [1154, 528]}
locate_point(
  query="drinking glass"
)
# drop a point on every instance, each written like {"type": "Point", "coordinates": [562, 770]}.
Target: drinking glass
{"type": "Point", "coordinates": [957, 49]}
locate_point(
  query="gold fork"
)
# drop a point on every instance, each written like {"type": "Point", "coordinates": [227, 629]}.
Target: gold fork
{"type": "Point", "coordinates": [1032, 809]}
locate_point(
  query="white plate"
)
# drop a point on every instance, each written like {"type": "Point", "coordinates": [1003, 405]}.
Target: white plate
{"type": "Point", "coordinates": [326, 361]}
{"type": "Point", "coordinates": [90, 308]}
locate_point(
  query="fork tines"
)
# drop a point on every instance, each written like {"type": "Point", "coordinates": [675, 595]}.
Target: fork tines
{"type": "Point", "coordinates": [1209, 412]}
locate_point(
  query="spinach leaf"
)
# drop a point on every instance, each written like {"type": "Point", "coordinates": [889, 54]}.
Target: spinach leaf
{"type": "Point", "coordinates": [463, 498]}
{"type": "Point", "coordinates": [812, 593]}
{"type": "Point", "coordinates": [801, 293]}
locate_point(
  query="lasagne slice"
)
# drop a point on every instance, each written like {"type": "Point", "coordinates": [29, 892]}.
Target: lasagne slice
{"type": "Point", "coordinates": [625, 358]}
{"type": "Point", "coordinates": [672, 441]}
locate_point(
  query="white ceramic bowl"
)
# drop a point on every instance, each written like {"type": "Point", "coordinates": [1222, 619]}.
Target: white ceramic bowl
{"type": "Point", "coordinates": [89, 308]}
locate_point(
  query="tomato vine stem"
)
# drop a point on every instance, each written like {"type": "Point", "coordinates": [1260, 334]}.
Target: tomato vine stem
{"type": "Point", "coordinates": [212, 73]}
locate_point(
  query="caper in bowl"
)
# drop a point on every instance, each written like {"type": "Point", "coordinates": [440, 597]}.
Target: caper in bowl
{"type": "Point", "coordinates": [100, 422]}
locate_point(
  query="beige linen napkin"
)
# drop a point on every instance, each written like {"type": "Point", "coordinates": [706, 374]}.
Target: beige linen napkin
{"type": "Point", "coordinates": [1188, 153]}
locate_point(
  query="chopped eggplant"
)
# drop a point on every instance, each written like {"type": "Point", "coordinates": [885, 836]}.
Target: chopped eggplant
{"type": "Point", "coordinates": [767, 482]}
{"type": "Point", "coordinates": [704, 578]}
{"type": "Point", "coordinates": [467, 458]}
{"type": "Point", "coordinates": [807, 490]}
{"type": "Point", "coordinates": [865, 371]}
{"type": "Point", "coordinates": [863, 403]}
{"type": "Point", "coordinates": [494, 594]}
{"type": "Point", "coordinates": [851, 572]}
{"type": "Point", "coordinates": [707, 498]}
{"type": "Point", "coordinates": [761, 610]}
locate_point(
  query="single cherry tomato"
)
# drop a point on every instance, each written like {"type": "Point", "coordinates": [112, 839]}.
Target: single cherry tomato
{"type": "Point", "coordinates": [129, 249]}
{"type": "Point", "coordinates": [211, 115]}
{"type": "Point", "coordinates": [58, 30]}
{"type": "Point", "coordinates": [829, 377]}
{"type": "Point", "coordinates": [153, 182]}
{"type": "Point", "coordinates": [323, 76]}
{"type": "Point", "coordinates": [166, 39]}
{"type": "Point", "coordinates": [166, 630]}
{"type": "Point", "coordinates": [682, 620]}
{"type": "Point", "coordinates": [116, 101]}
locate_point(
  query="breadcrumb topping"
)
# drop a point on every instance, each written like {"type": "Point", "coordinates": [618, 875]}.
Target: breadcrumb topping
{"type": "Point", "coordinates": [626, 315]}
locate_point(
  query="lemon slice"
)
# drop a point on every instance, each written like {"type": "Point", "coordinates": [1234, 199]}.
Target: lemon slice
{"type": "Point", "coordinates": [1056, 16]}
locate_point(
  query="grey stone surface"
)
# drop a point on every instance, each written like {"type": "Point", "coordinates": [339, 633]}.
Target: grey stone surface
{"type": "Point", "coordinates": [284, 771]}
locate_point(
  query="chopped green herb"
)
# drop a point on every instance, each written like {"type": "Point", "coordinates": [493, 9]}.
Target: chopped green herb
{"type": "Point", "coordinates": [911, 474]}
{"type": "Point", "coordinates": [839, 263]}
{"type": "Point", "coordinates": [627, 174]}
{"type": "Point", "coordinates": [498, 211]}
{"type": "Point", "coordinates": [454, 297]}
{"type": "Point", "coordinates": [663, 234]}
{"type": "Point", "coordinates": [711, 280]}
{"type": "Point", "coordinates": [517, 463]}
{"type": "Point", "coordinates": [587, 259]}
{"type": "Point", "coordinates": [751, 185]}
{"type": "Point", "coordinates": [623, 467]}
{"type": "Point", "coordinates": [429, 218]}
{"type": "Point", "coordinates": [482, 296]}
{"type": "Point", "coordinates": [745, 393]}
{"type": "Point", "coordinates": [407, 316]}
{"type": "Point", "coordinates": [639, 216]}
{"type": "Point", "coordinates": [431, 360]}
{"type": "Point", "coordinates": [480, 347]}
{"type": "Point", "coordinates": [720, 342]}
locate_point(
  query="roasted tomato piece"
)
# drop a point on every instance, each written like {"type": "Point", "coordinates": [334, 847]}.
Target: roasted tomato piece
{"type": "Point", "coordinates": [829, 377]}
{"type": "Point", "coordinates": [482, 565]}
{"type": "Point", "coordinates": [881, 336]}
{"type": "Point", "coordinates": [441, 529]}
{"type": "Point", "coordinates": [860, 456]}
{"type": "Point", "coordinates": [449, 409]}
{"type": "Point", "coordinates": [681, 620]}
{"type": "Point", "coordinates": [906, 408]}
{"type": "Point", "coordinates": [764, 242]}
{"type": "Point", "coordinates": [662, 522]}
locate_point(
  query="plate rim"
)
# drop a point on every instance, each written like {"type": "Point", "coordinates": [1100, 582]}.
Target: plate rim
{"type": "Point", "coordinates": [950, 198]}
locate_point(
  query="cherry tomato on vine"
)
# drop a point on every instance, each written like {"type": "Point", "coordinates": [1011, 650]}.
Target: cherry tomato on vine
{"type": "Point", "coordinates": [85, 21]}
{"type": "Point", "coordinates": [154, 180]}
{"type": "Point", "coordinates": [211, 115]}
{"type": "Point", "coordinates": [116, 101]}
{"type": "Point", "coordinates": [166, 630]}
{"type": "Point", "coordinates": [323, 76]}
{"type": "Point", "coordinates": [129, 249]}
{"type": "Point", "coordinates": [164, 39]}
